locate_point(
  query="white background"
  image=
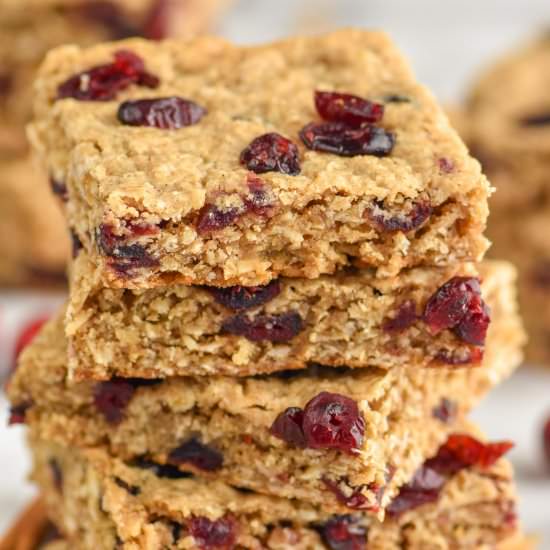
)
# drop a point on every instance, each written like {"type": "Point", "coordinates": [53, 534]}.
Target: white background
{"type": "Point", "coordinates": [447, 42]}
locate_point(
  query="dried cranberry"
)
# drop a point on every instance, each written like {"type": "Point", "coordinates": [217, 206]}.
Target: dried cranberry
{"type": "Point", "coordinates": [541, 119]}
{"type": "Point", "coordinates": [111, 399]}
{"type": "Point", "coordinates": [405, 317]}
{"type": "Point", "coordinates": [390, 222]}
{"type": "Point", "coordinates": [57, 474]}
{"type": "Point", "coordinates": [28, 334]}
{"type": "Point", "coordinates": [340, 139]}
{"type": "Point", "coordinates": [163, 471]}
{"type": "Point", "coordinates": [239, 298]}
{"type": "Point", "coordinates": [546, 440]}
{"type": "Point", "coordinates": [350, 497]}
{"type": "Point", "coordinates": [347, 109]}
{"type": "Point", "coordinates": [18, 414]}
{"type": "Point", "coordinates": [59, 189]}
{"type": "Point", "coordinates": [446, 166]}
{"type": "Point", "coordinates": [344, 533]}
{"type": "Point", "coordinates": [459, 357]}
{"type": "Point", "coordinates": [333, 421]}
{"type": "Point", "coordinates": [197, 454]}
{"type": "Point", "coordinates": [258, 200]}
{"type": "Point", "coordinates": [213, 534]}
{"type": "Point", "coordinates": [271, 328]}
{"type": "Point", "coordinates": [133, 490]}
{"type": "Point", "coordinates": [103, 82]}
{"type": "Point", "coordinates": [288, 427]}
{"type": "Point", "coordinates": [167, 113]}
{"type": "Point", "coordinates": [424, 488]}
{"type": "Point", "coordinates": [446, 411]}
{"type": "Point", "coordinates": [458, 305]}
{"type": "Point", "coordinates": [211, 218]}
{"type": "Point", "coordinates": [271, 153]}
{"type": "Point", "coordinates": [157, 21]}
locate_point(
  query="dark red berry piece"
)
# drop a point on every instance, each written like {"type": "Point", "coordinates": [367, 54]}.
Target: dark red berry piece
{"type": "Point", "coordinates": [258, 200]}
{"type": "Point", "coordinates": [288, 427]}
{"type": "Point", "coordinates": [103, 82]}
{"type": "Point", "coordinates": [405, 317]}
{"type": "Point", "coordinates": [18, 414]}
{"type": "Point", "coordinates": [197, 454]}
{"type": "Point", "coordinates": [344, 533]}
{"type": "Point", "coordinates": [163, 471]}
{"type": "Point", "coordinates": [220, 534]}
{"type": "Point", "coordinates": [211, 218]}
{"type": "Point", "coordinates": [458, 305]}
{"type": "Point", "coordinates": [59, 189]}
{"type": "Point", "coordinates": [333, 421]}
{"type": "Point", "coordinates": [408, 220]}
{"type": "Point", "coordinates": [271, 153]}
{"type": "Point", "coordinates": [340, 139]}
{"type": "Point", "coordinates": [350, 497]}
{"type": "Point", "coordinates": [265, 328]}
{"type": "Point", "coordinates": [424, 488]}
{"type": "Point", "coordinates": [546, 440]}
{"type": "Point", "coordinates": [57, 474]}
{"type": "Point", "coordinates": [240, 298]}
{"type": "Point", "coordinates": [347, 109]}
{"type": "Point", "coordinates": [446, 165]}
{"type": "Point", "coordinates": [459, 357]}
{"type": "Point", "coordinates": [157, 21]}
{"type": "Point", "coordinates": [446, 411]}
{"type": "Point", "coordinates": [111, 399]}
{"type": "Point", "coordinates": [167, 113]}
{"type": "Point", "coordinates": [28, 334]}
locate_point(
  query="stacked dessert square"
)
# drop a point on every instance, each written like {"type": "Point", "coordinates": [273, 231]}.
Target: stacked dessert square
{"type": "Point", "coordinates": [279, 317]}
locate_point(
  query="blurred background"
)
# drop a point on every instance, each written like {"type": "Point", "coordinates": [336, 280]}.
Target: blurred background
{"type": "Point", "coordinates": [447, 43]}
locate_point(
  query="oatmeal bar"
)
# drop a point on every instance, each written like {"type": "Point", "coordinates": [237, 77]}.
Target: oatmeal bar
{"type": "Point", "coordinates": [350, 319]}
{"type": "Point", "coordinates": [200, 162]}
{"type": "Point", "coordinates": [342, 438]}
{"type": "Point", "coordinates": [35, 244]}
{"type": "Point", "coordinates": [103, 502]}
{"type": "Point", "coordinates": [29, 28]}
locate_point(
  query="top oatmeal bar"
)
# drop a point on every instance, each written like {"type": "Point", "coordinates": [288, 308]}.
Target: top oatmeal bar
{"type": "Point", "coordinates": [202, 162]}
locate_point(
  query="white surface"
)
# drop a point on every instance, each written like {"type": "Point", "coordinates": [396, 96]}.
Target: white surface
{"type": "Point", "coordinates": [447, 42]}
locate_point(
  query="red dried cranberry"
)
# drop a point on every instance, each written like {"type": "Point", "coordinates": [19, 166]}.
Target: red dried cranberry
{"type": "Point", "coordinates": [271, 153]}
{"type": "Point", "coordinates": [239, 298]}
{"type": "Point", "coordinates": [546, 440]}
{"type": "Point", "coordinates": [446, 411]}
{"type": "Point", "coordinates": [28, 334]}
{"type": "Point", "coordinates": [111, 399]}
{"type": "Point", "coordinates": [459, 357]}
{"type": "Point", "coordinates": [344, 533]}
{"type": "Point", "coordinates": [57, 474]}
{"type": "Point", "coordinates": [258, 200]}
{"type": "Point", "coordinates": [340, 139]}
{"type": "Point", "coordinates": [288, 427]}
{"type": "Point", "coordinates": [167, 113]}
{"type": "Point", "coordinates": [103, 82]}
{"type": "Point", "coordinates": [157, 21]}
{"type": "Point", "coordinates": [213, 534]}
{"type": "Point", "coordinates": [466, 451]}
{"type": "Point", "coordinates": [271, 328]}
{"type": "Point", "coordinates": [458, 305]}
{"type": "Point", "coordinates": [333, 421]}
{"type": "Point", "coordinates": [211, 218]}
{"type": "Point", "coordinates": [197, 454]}
{"type": "Point", "coordinates": [424, 488]}
{"type": "Point", "coordinates": [350, 497]}
{"type": "Point", "coordinates": [446, 166]}
{"type": "Point", "coordinates": [18, 414]}
{"type": "Point", "coordinates": [406, 317]}
{"type": "Point", "coordinates": [347, 109]}
{"type": "Point", "coordinates": [390, 222]}
{"type": "Point", "coordinates": [59, 189]}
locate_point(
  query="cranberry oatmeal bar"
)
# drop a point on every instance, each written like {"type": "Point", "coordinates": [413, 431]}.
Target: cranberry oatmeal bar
{"type": "Point", "coordinates": [29, 28]}
{"type": "Point", "coordinates": [461, 498]}
{"type": "Point", "coordinates": [512, 140]}
{"type": "Point", "coordinates": [35, 245]}
{"type": "Point", "coordinates": [423, 317]}
{"type": "Point", "coordinates": [199, 162]}
{"type": "Point", "coordinates": [343, 438]}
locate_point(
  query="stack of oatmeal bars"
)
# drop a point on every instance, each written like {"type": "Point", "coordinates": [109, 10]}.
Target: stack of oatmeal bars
{"type": "Point", "coordinates": [37, 249]}
{"type": "Point", "coordinates": [278, 317]}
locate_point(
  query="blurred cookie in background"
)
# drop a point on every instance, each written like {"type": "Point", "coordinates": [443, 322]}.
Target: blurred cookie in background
{"type": "Point", "coordinates": [507, 127]}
